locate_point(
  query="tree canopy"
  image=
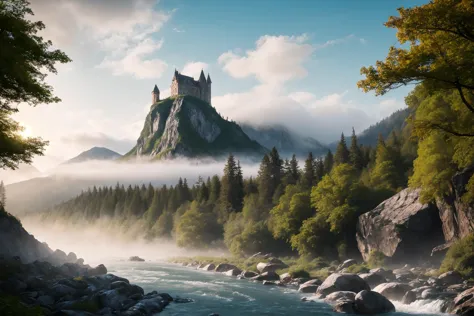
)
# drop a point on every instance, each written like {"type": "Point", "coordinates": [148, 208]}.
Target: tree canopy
{"type": "Point", "coordinates": [24, 58]}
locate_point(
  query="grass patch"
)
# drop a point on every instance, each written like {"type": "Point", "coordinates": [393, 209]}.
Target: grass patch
{"type": "Point", "coordinates": [460, 257]}
{"type": "Point", "coordinates": [358, 268]}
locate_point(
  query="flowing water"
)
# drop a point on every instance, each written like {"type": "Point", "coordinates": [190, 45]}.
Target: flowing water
{"type": "Point", "coordinates": [227, 296]}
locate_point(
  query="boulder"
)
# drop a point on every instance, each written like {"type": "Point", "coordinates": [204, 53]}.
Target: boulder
{"type": "Point", "coordinates": [393, 290]}
{"type": "Point", "coordinates": [409, 297]}
{"type": "Point", "coordinates": [266, 276]}
{"type": "Point", "coordinates": [450, 278]}
{"type": "Point", "coordinates": [346, 307]}
{"type": "Point", "coordinates": [341, 282]}
{"type": "Point", "coordinates": [439, 252]}
{"type": "Point", "coordinates": [387, 274]}
{"type": "Point", "coordinates": [136, 259]}
{"type": "Point", "coordinates": [310, 286]}
{"type": "Point", "coordinates": [265, 267]}
{"type": "Point", "coordinates": [347, 264]}
{"type": "Point", "coordinates": [395, 223]}
{"type": "Point", "coordinates": [373, 279]}
{"type": "Point", "coordinates": [285, 277]}
{"type": "Point", "coordinates": [233, 272]}
{"type": "Point", "coordinates": [369, 303]}
{"type": "Point", "coordinates": [209, 267]}
{"type": "Point", "coordinates": [339, 296]}
{"type": "Point", "coordinates": [248, 274]}
{"type": "Point", "coordinates": [224, 267]}
{"type": "Point", "coordinates": [464, 303]}
{"type": "Point", "coordinates": [99, 270]}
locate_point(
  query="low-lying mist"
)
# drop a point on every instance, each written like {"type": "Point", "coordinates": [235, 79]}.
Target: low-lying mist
{"type": "Point", "coordinates": [103, 241]}
{"type": "Point", "coordinates": [68, 180]}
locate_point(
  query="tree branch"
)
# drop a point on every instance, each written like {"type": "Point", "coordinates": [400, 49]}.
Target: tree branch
{"type": "Point", "coordinates": [463, 98]}
{"type": "Point", "coordinates": [430, 125]}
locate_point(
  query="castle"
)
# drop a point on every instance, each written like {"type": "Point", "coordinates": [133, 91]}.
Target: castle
{"type": "Point", "coordinates": [181, 84]}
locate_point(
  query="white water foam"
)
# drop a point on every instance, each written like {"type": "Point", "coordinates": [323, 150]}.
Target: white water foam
{"type": "Point", "coordinates": [248, 297]}
{"type": "Point", "coordinates": [421, 307]}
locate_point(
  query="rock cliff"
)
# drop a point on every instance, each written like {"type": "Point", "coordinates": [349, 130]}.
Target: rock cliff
{"type": "Point", "coordinates": [189, 127]}
{"type": "Point", "coordinates": [401, 227]}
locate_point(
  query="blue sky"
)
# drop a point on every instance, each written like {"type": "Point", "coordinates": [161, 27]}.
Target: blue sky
{"type": "Point", "coordinates": [288, 62]}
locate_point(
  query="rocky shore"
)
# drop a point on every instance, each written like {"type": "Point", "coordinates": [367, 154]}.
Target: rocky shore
{"type": "Point", "coordinates": [41, 288]}
{"type": "Point", "coordinates": [372, 292]}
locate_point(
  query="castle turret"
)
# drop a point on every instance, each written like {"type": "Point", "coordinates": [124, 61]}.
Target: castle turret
{"type": "Point", "coordinates": [209, 82]}
{"type": "Point", "coordinates": [155, 95]}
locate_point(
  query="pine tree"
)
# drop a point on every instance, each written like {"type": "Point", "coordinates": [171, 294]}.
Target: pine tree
{"type": "Point", "coordinates": [214, 189]}
{"type": "Point", "coordinates": [355, 154]}
{"type": "Point", "coordinates": [231, 191]}
{"type": "Point", "coordinates": [342, 153]}
{"type": "Point", "coordinates": [384, 174]}
{"type": "Point", "coordinates": [308, 178]}
{"type": "Point", "coordinates": [328, 162]}
{"type": "Point", "coordinates": [265, 185]}
{"type": "Point", "coordinates": [319, 169]}
{"type": "Point", "coordinates": [155, 210]}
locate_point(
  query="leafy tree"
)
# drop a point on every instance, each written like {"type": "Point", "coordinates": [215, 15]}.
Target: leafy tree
{"type": "Point", "coordinates": [24, 56]}
{"type": "Point", "coordinates": [440, 55]}
{"type": "Point", "coordinates": [293, 208]}
{"type": "Point", "coordinates": [314, 238]}
{"type": "Point", "coordinates": [155, 210]}
{"type": "Point", "coordinates": [342, 153]}
{"type": "Point", "coordinates": [215, 189]}
{"type": "Point", "coordinates": [197, 228]}
{"type": "Point", "coordinates": [164, 225]}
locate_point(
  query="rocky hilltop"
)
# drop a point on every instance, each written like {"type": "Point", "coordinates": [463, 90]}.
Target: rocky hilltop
{"type": "Point", "coordinates": [185, 126]}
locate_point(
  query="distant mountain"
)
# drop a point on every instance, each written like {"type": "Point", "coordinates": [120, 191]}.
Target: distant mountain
{"type": "Point", "coordinates": [396, 121]}
{"type": "Point", "coordinates": [286, 141]}
{"type": "Point", "coordinates": [95, 153]}
{"type": "Point", "coordinates": [185, 126]}
{"type": "Point", "coordinates": [24, 172]}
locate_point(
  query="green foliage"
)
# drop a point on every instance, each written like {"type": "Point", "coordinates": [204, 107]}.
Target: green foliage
{"type": "Point", "coordinates": [342, 153]}
{"type": "Point", "coordinates": [297, 272]}
{"type": "Point", "coordinates": [384, 175]}
{"type": "Point", "coordinates": [358, 268]}
{"type": "Point", "coordinates": [197, 228]}
{"type": "Point", "coordinates": [23, 59]}
{"type": "Point", "coordinates": [460, 257]}
{"type": "Point", "coordinates": [314, 238]}
{"type": "Point", "coordinates": [376, 259]}
{"type": "Point", "coordinates": [232, 186]}
{"type": "Point", "coordinates": [293, 208]}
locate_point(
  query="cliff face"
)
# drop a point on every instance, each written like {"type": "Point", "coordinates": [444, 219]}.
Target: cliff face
{"type": "Point", "coordinates": [189, 127]}
{"type": "Point", "coordinates": [15, 240]}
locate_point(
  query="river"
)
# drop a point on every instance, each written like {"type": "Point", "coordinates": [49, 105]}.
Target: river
{"type": "Point", "coordinates": [227, 296]}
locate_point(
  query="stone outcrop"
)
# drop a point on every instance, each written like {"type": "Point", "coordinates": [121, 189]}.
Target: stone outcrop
{"type": "Point", "coordinates": [464, 303]}
{"type": "Point", "coordinates": [395, 223]}
{"type": "Point", "coordinates": [457, 217]}
{"type": "Point", "coordinates": [370, 303]}
{"type": "Point", "coordinates": [393, 290]}
{"type": "Point", "coordinates": [341, 282]}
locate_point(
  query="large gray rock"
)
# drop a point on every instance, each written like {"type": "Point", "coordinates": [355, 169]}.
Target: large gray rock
{"type": "Point", "coordinates": [341, 282]}
{"type": "Point", "coordinates": [450, 278]}
{"type": "Point", "coordinates": [209, 267]}
{"type": "Point", "coordinates": [270, 266]}
{"type": "Point", "coordinates": [394, 225]}
{"type": "Point", "coordinates": [224, 267]}
{"type": "Point", "coordinates": [464, 303]}
{"type": "Point", "coordinates": [393, 290]}
{"type": "Point", "coordinates": [233, 272]}
{"type": "Point", "coordinates": [373, 279]}
{"type": "Point", "coordinates": [369, 303]}
{"type": "Point", "coordinates": [310, 286]}
{"type": "Point", "coordinates": [266, 276]}
{"type": "Point", "coordinates": [340, 296]}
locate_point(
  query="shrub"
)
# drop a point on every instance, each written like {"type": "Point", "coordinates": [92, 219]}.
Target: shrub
{"type": "Point", "coordinates": [298, 272]}
{"type": "Point", "coordinates": [358, 268]}
{"type": "Point", "coordinates": [12, 306]}
{"type": "Point", "coordinates": [376, 259]}
{"type": "Point", "coordinates": [460, 257]}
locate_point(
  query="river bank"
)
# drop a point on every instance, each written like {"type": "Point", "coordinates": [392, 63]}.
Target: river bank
{"type": "Point", "coordinates": [342, 288]}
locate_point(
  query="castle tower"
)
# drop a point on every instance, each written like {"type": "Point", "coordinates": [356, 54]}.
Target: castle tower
{"type": "Point", "coordinates": [155, 95]}
{"type": "Point", "coordinates": [203, 86]}
{"type": "Point", "coordinates": [209, 88]}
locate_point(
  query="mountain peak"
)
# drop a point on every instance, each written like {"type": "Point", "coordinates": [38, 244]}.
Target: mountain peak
{"type": "Point", "coordinates": [95, 153]}
{"type": "Point", "coordinates": [187, 126]}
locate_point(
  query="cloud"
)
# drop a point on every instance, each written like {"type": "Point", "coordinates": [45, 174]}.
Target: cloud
{"type": "Point", "coordinates": [134, 61]}
{"type": "Point", "coordinates": [124, 30]}
{"type": "Point", "coordinates": [337, 41]}
{"type": "Point", "coordinates": [193, 68]}
{"type": "Point", "coordinates": [322, 118]}
{"type": "Point", "coordinates": [275, 59]}
{"type": "Point", "coordinates": [178, 30]}
{"type": "Point", "coordinates": [88, 140]}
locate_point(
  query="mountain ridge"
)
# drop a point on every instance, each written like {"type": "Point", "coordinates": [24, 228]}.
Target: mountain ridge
{"type": "Point", "coordinates": [95, 153]}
